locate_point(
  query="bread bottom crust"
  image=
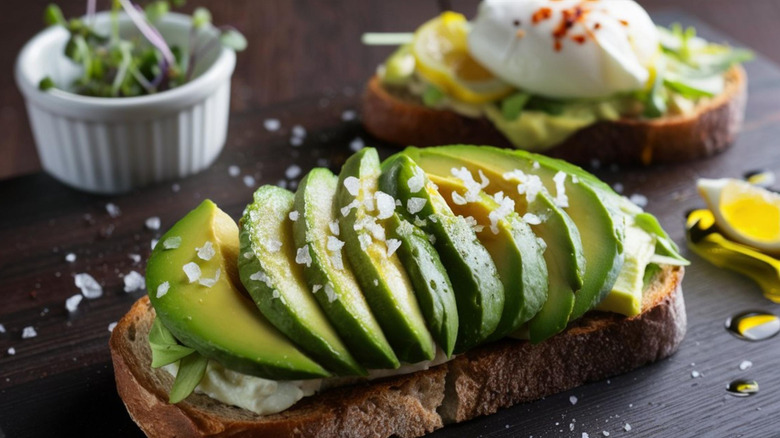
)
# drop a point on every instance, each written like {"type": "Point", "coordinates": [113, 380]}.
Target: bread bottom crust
{"type": "Point", "coordinates": [479, 382]}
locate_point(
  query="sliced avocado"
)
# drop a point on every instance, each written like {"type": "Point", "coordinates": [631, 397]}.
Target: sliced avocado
{"type": "Point", "coordinates": [217, 320]}
{"type": "Point", "coordinates": [276, 283]}
{"type": "Point", "coordinates": [381, 275]}
{"type": "Point", "coordinates": [514, 248]}
{"type": "Point", "coordinates": [478, 290]}
{"type": "Point", "coordinates": [432, 285]}
{"type": "Point", "coordinates": [329, 274]}
{"type": "Point", "coordinates": [601, 230]}
{"type": "Point", "coordinates": [563, 252]}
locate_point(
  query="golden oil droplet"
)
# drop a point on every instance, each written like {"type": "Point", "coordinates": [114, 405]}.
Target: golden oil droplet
{"type": "Point", "coordinates": [753, 325]}
{"type": "Point", "coordinates": [742, 388]}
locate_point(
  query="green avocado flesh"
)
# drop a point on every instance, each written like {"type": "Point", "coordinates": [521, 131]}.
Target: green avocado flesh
{"type": "Point", "coordinates": [514, 248]}
{"type": "Point", "coordinates": [330, 273]}
{"type": "Point", "coordinates": [479, 292]}
{"type": "Point", "coordinates": [601, 235]}
{"type": "Point", "coordinates": [563, 253]}
{"type": "Point", "coordinates": [219, 321]}
{"type": "Point", "coordinates": [276, 283]}
{"type": "Point", "coordinates": [382, 277]}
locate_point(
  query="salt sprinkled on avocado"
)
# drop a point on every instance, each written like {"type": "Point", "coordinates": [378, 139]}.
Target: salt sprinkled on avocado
{"type": "Point", "coordinates": [356, 144]}
{"type": "Point", "coordinates": [162, 289]}
{"type": "Point", "coordinates": [745, 364]}
{"type": "Point", "coordinates": [292, 172]}
{"type": "Point", "coordinates": [352, 185]}
{"type": "Point", "coordinates": [209, 282]}
{"type": "Point", "coordinates": [206, 252]}
{"type": "Point", "coordinates": [404, 229]}
{"type": "Point", "coordinates": [532, 219]}
{"type": "Point", "coordinates": [70, 257]}
{"type": "Point", "coordinates": [273, 245]}
{"type": "Point", "coordinates": [474, 224]}
{"type": "Point", "coordinates": [172, 242]}
{"type": "Point", "coordinates": [472, 186]}
{"type": "Point", "coordinates": [529, 185]}
{"type": "Point", "coordinates": [302, 256]}
{"type": "Point", "coordinates": [153, 243]}
{"type": "Point", "coordinates": [416, 181]}
{"type": "Point", "coordinates": [113, 210]}
{"type": "Point", "coordinates": [345, 210]}
{"type": "Point", "coordinates": [90, 288]}
{"type": "Point", "coordinates": [334, 228]}
{"type": "Point", "coordinates": [11, 351]}
{"type": "Point", "coordinates": [506, 206]}
{"type": "Point", "coordinates": [368, 203]}
{"type": "Point", "coordinates": [330, 293]}
{"type": "Point", "coordinates": [573, 399]}
{"type": "Point", "coordinates": [337, 261]}
{"type": "Point", "coordinates": [261, 276]}
{"type": "Point", "coordinates": [72, 303]}
{"type": "Point", "coordinates": [392, 246]}
{"type": "Point", "coordinates": [152, 223]}
{"type": "Point", "coordinates": [272, 125]}
{"type": "Point", "coordinates": [111, 326]}
{"type": "Point", "coordinates": [294, 215]}
{"type": "Point", "coordinates": [561, 200]}
{"type": "Point", "coordinates": [414, 205]}
{"type": "Point", "coordinates": [605, 433]}
{"type": "Point", "coordinates": [192, 270]}
{"type": "Point", "coordinates": [248, 255]}
{"type": "Point", "coordinates": [29, 332]}
{"type": "Point", "coordinates": [385, 204]}
{"type": "Point", "coordinates": [133, 281]}
{"type": "Point", "coordinates": [334, 244]}
{"type": "Point", "coordinates": [420, 222]}
{"type": "Point", "coordinates": [316, 287]}
{"type": "Point", "coordinates": [458, 199]}
{"type": "Point", "coordinates": [365, 241]}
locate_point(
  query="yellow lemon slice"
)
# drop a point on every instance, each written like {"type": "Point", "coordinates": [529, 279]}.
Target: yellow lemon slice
{"type": "Point", "coordinates": [746, 213]}
{"type": "Point", "coordinates": [440, 48]}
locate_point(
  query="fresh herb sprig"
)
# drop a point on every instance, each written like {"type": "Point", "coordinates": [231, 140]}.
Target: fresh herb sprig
{"type": "Point", "coordinates": [116, 66]}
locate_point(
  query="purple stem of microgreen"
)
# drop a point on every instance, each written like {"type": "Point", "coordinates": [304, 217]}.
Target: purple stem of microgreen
{"type": "Point", "coordinates": [151, 34]}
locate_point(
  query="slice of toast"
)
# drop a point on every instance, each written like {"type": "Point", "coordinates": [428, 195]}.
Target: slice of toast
{"type": "Point", "coordinates": [709, 129]}
{"type": "Point", "coordinates": [479, 382]}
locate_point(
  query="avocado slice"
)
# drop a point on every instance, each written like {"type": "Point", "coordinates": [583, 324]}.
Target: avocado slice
{"type": "Point", "coordinates": [430, 281]}
{"type": "Point", "coordinates": [601, 230]}
{"type": "Point", "coordinates": [212, 314]}
{"type": "Point", "coordinates": [563, 252]}
{"type": "Point", "coordinates": [276, 283]}
{"type": "Point", "coordinates": [479, 293]}
{"type": "Point", "coordinates": [379, 272]}
{"type": "Point", "coordinates": [514, 248]}
{"type": "Point", "coordinates": [329, 274]}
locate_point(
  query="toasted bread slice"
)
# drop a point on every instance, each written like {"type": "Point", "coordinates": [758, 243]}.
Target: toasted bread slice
{"type": "Point", "coordinates": [479, 382]}
{"type": "Point", "coordinates": [709, 129]}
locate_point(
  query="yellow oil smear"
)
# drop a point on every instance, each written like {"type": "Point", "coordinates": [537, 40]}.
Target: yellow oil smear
{"type": "Point", "coordinates": [753, 213]}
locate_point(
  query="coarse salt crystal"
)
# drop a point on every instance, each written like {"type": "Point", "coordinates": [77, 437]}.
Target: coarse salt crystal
{"type": "Point", "coordinates": [302, 256]}
{"type": "Point", "coordinates": [249, 181]}
{"type": "Point", "coordinates": [261, 276]}
{"type": "Point", "coordinates": [345, 210]}
{"type": "Point", "coordinates": [584, 434]}
{"type": "Point", "coordinates": [298, 131]}
{"type": "Point", "coordinates": [638, 199]}
{"type": "Point", "coordinates": [70, 257]}
{"type": "Point", "coordinates": [605, 433]}
{"type": "Point", "coordinates": [368, 203]}
{"type": "Point", "coordinates": [405, 229]}
{"type": "Point", "coordinates": [162, 289]}
{"type": "Point", "coordinates": [296, 141]}
{"type": "Point", "coordinates": [385, 204]}
{"type": "Point", "coordinates": [506, 205]}
{"type": "Point", "coordinates": [472, 186]}
{"type": "Point", "coordinates": [2, 328]}
{"type": "Point", "coordinates": [72, 303]}
{"type": "Point", "coordinates": [571, 427]}
{"type": "Point", "coordinates": [234, 171]}
{"type": "Point", "coordinates": [275, 294]}
{"type": "Point", "coordinates": [348, 115]}
{"type": "Point", "coordinates": [133, 281]}
{"type": "Point", "coordinates": [113, 210]}
{"type": "Point", "coordinates": [152, 223]}
{"type": "Point", "coordinates": [272, 124]}
{"type": "Point", "coordinates": [573, 399]}
{"type": "Point", "coordinates": [193, 271]}
{"type": "Point", "coordinates": [561, 200]}
{"type": "Point", "coordinates": [415, 205]}
{"type": "Point", "coordinates": [29, 332]}
{"type": "Point", "coordinates": [209, 282]}
{"type": "Point", "coordinates": [432, 239]}
{"type": "Point", "coordinates": [316, 287]}
{"type": "Point", "coordinates": [206, 252]}
{"type": "Point", "coordinates": [294, 215]}
{"type": "Point", "coordinates": [420, 222]}
{"type": "Point", "coordinates": [416, 181]}
{"type": "Point", "coordinates": [627, 427]}
{"type": "Point", "coordinates": [392, 246]}
{"type": "Point", "coordinates": [154, 243]}
{"type": "Point", "coordinates": [474, 224]}
{"type": "Point", "coordinates": [330, 293]}
{"type": "Point", "coordinates": [458, 199]}
{"type": "Point", "coordinates": [112, 326]}
{"type": "Point", "coordinates": [273, 245]}
{"type": "Point", "coordinates": [11, 352]}
{"type": "Point", "coordinates": [356, 144]}
{"type": "Point", "coordinates": [334, 244]}
{"type": "Point", "coordinates": [334, 228]}
{"type": "Point", "coordinates": [365, 241]}
{"type": "Point", "coordinates": [352, 185]}
{"type": "Point", "coordinates": [532, 219]}
{"type": "Point", "coordinates": [292, 172]}
{"type": "Point", "coordinates": [248, 255]}
{"type": "Point", "coordinates": [337, 261]}
{"type": "Point", "coordinates": [745, 364]}
{"type": "Point", "coordinates": [90, 288]}
{"type": "Point", "coordinates": [172, 242]}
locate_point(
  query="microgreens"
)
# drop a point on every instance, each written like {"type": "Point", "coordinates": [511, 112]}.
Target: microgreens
{"type": "Point", "coordinates": [124, 66]}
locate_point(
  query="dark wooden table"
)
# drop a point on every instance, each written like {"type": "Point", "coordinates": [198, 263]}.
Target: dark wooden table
{"type": "Point", "coordinates": [60, 383]}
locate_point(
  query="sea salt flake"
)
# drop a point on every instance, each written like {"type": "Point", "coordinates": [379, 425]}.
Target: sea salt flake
{"type": "Point", "coordinates": [473, 187]}
{"type": "Point", "coordinates": [584, 434]}
{"type": "Point", "coordinates": [294, 215]}
{"type": "Point", "coordinates": [330, 293]}
{"type": "Point", "coordinates": [70, 257]}
{"type": "Point", "coordinates": [206, 252]}
{"type": "Point", "coordinates": [369, 203]}
{"type": "Point", "coordinates": [261, 276]}
{"type": "Point", "coordinates": [72, 303]}
{"type": "Point", "coordinates": [348, 115]}
{"type": "Point", "coordinates": [392, 246]}
{"type": "Point", "coordinates": [416, 181]}
{"type": "Point", "coordinates": [292, 172]}
{"type": "Point", "coordinates": [334, 244]}
{"type": "Point", "coordinates": [248, 255]}
{"type": "Point", "coordinates": [154, 243]}
{"type": "Point", "coordinates": [113, 210]}
{"type": "Point", "coordinates": [346, 209]}
{"type": "Point", "coordinates": [90, 288]}
{"type": "Point", "coordinates": [11, 352]}
{"type": "Point", "coordinates": [573, 399]}
{"type": "Point", "coordinates": [356, 144]}
{"type": "Point", "coordinates": [209, 282]}
{"type": "Point", "coordinates": [605, 433]}
{"type": "Point", "coordinates": [365, 241]}
{"type": "Point", "coordinates": [627, 427]}
{"type": "Point", "coordinates": [745, 364]}
{"type": "Point", "coordinates": [638, 199]}
{"type": "Point", "coordinates": [249, 181]}
{"type": "Point", "coordinates": [385, 204]}
{"type": "Point", "coordinates": [337, 261]}
{"type": "Point", "coordinates": [352, 184]}
{"type": "Point", "coordinates": [272, 125]}
{"type": "Point", "coordinates": [432, 239]}
{"type": "Point", "coordinates": [695, 374]}
{"type": "Point", "coordinates": [298, 131]}
{"type": "Point", "coordinates": [133, 281]}
{"type": "Point", "coordinates": [162, 289]}
{"type": "Point", "coordinates": [172, 242]}
{"type": "Point", "coordinates": [420, 222]}
{"type": "Point", "coordinates": [136, 258]}
{"type": "Point", "coordinates": [316, 287]}
{"type": "Point", "coordinates": [571, 427]}
{"type": "Point", "coordinates": [273, 245]}
{"type": "Point", "coordinates": [296, 141]}
{"type": "Point", "coordinates": [532, 219]}
{"type": "Point", "coordinates": [111, 326]}
{"type": "Point", "coordinates": [192, 270]}
{"type": "Point", "coordinates": [275, 294]}
{"type": "Point", "coordinates": [302, 256]}
{"type": "Point", "coordinates": [334, 228]}
{"type": "Point", "coordinates": [414, 205]}
{"type": "Point", "coordinates": [152, 223]}
{"type": "Point", "coordinates": [2, 328]}
{"type": "Point", "coordinates": [561, 200]}
{"type": "Point", "coordinates": [29, 332]}
{"type": "Point", "coordinates": [234, 171]}
{"type": "Point", "coordinates": [458, 199]}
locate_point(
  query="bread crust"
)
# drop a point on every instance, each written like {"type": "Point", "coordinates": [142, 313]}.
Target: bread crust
{"type": "Point", "coordinates": [709, 129]}
{"type": "Point", "coordinates": [479, 382]}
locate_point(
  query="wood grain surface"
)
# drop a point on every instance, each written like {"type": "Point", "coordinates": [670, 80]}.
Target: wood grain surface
{"type": "Point", "coordinates": [60, 383]}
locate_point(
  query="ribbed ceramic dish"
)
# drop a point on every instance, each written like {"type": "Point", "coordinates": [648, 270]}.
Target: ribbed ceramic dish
{"type": "Point", "coordinates": [113, 145]}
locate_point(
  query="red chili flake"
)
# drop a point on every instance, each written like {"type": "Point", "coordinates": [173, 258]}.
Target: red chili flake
{"type": "Point", "coordinates": [597, 26]}
{"type": "Point", "coordinates": [623, 22]}
{"type": "Point", "coordinates": [541, 15]}
{"type": "Point", "coordinates": [579, 39]}
{"type": "Point", "coordinates": [558, 45]}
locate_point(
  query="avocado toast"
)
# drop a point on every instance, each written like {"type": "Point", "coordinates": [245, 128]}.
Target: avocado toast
{"type": "Point", "coordinates": [448, 232]}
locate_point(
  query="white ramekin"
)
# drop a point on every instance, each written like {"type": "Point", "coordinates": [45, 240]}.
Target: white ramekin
{"type": "Point", "coordinates": [112, 145]}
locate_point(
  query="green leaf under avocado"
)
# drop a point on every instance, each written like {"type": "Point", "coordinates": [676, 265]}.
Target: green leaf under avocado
{"type": "Point", "coordinates": [165, 349]}
{"type": "Point", "coordinates": [512, 106]}
{"type": "Point", "coordinates": [432, 96]}
{"type": "Point", "coordinates": [192, 368]}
